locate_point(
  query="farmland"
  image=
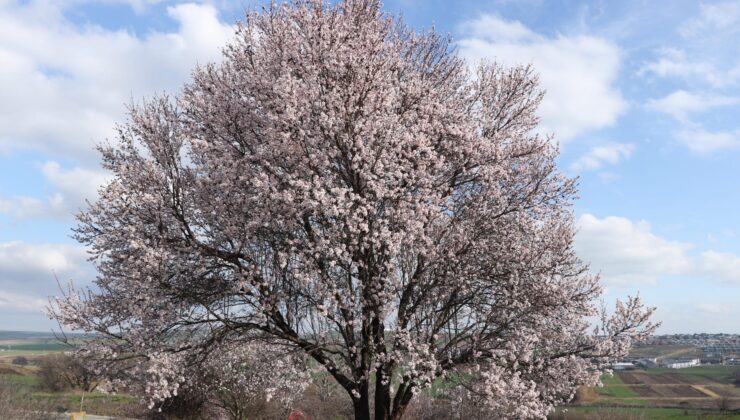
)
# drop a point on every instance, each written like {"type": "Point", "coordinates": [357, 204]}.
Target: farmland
{"type": "Point", "coordinates": [706, 391]}
{"type": "Point", "coordinates": [32, 344]}
{"type": "Point", "coordinates": [23, 384]}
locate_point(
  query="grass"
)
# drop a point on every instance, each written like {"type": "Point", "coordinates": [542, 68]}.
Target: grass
{"type": "Point", "coordinates": [615, 388]}
{"type": "Point", "coordinates": [611, 380]}
{"type": "Point", "coordinates": [25, 383]}
{"type": "Point", "coordinates": [22, 380]}
{"type": "Point", "coordinates": [617, 391]}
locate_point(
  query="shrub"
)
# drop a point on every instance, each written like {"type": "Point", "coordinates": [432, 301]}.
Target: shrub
{"type": "Point", "coordinates": [59, 372]}
{"type": "Point", "coordinates": [20, 361]}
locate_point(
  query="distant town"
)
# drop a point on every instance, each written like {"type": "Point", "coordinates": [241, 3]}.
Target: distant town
{"type": "Point", "coordinates": [678, 351]}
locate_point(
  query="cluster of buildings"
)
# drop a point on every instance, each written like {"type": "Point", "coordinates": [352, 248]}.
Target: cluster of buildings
{"type": "Point", "coordinates": [711, 349]}
{"type": "Point", "coordinates": [696, 340]}
{"type": "Point", "coordinates": [651, 363]}
{"type": "Point", "coordinates": [721, 353]}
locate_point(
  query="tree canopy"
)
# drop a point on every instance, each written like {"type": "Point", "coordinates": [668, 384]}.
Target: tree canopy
{"type": "Point", "coordinates": [345, 188]}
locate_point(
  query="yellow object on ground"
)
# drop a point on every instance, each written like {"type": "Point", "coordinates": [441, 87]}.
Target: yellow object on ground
{"type": "Point", "coordinates": [77, 416]}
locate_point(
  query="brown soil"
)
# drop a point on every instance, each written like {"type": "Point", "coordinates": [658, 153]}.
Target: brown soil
{"type": "Point", "coordinates": [637, 378]}
{"type": "Point", "coordinates": [585, 395]}
{"type": "Point", "coordinates": [679, 391]}
{"type": "Point", "coordinates": [629, 378]}
{"type": "Point", "coordinates": [645, 391]}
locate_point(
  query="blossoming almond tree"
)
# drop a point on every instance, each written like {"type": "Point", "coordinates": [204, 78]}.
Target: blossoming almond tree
{"type": "Point", "coordinates": [347, 187]}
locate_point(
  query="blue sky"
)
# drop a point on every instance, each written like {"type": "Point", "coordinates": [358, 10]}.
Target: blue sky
{"type": "Point", "coordinates": [643, 97]}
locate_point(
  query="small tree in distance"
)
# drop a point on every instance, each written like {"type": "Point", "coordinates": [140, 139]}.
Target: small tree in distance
{"type": "Point", "coordinates": [20, 361]}
{"type": "Point", "coordinates": [346, 188]}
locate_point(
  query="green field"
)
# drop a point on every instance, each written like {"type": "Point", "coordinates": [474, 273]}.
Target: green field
{"type": "Point", "coordinates": [615, 388]}
{"type": "Point", "coordinates": [34, 347]}
{"type": "Point", "coordinates": [29, 344]}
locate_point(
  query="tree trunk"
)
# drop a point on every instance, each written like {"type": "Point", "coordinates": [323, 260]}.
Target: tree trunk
{"type": "Point", "coordinates": [401, 401]}
{"type": "Point", "coordinates": [362, 404]}
{"type": "Point", "coordinates": [382, 396]}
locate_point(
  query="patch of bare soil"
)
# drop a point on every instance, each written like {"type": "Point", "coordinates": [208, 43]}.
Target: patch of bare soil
{"type": "Point", "coordinates": [679, 391]}
{"type": "Point", "coordinates": [645, 391]}
{"type": "Point", "coordinates": [585, 395]}
{"type": "Point", "coordinates": [629, 378]}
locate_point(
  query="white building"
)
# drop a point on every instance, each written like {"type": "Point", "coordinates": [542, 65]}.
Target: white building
{"type": "Point", "coordinates": [623, 366]}
{"type": "Point", "coordinates": [680, 363]}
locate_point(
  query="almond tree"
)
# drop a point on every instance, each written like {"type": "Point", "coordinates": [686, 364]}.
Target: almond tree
{"type": "Point", "coordinates": [349, 188]}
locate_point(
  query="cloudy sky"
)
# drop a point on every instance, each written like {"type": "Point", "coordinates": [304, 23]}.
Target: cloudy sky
{"type": "Point", "coordinates": [643, 96]}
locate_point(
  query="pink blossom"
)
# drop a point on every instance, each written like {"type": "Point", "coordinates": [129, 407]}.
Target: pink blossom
{"type": "Point", "coordinates": [346, 188]}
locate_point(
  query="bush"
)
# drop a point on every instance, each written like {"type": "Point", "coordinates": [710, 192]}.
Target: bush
{"type": "Point", "coordinates": [59, 372]}
{"type": "Point", "coordinates": [20, 361]}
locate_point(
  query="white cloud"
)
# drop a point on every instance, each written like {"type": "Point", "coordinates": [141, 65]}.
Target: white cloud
{"type": "Point", "coordinates": [75, 185]}
{"type": "Point", "coordinates": [681, 103]}
{"type": "Point", "coordinates": [684, 106]}
{"type": "Point", "coordinates": [69, 84]}
{"type": "Point", "coordinates": [140, 5]}
{"type": "Point", "coordinates": [579, 72]}
{"type": "Point", "coordinates": [627, 252]}
{"type": "Point", "coordinates": [25, 258]}
{"type": "Point", "coordinates": [21, 303]}
{"type": "Point", "coordinates": [721, 266]}
{"type": "Point", "coordinates": [30, 269]}
{"type": "Point", "coordinates": [28, 275]}
{"type": "Point", "coordinates": [675, 63]}
{"type": "Point", "coordinates": [706, 65]}
{"type": "Point", "coordinates": [71, 188]}
{"type": "Point", "coordinates": [713, 308]}
{"type": "Point", "coordinates": [702, 141]}
{"type": "Point", "coordinates": [601, 155]}
{"type": "Point", "coordinates": [687, 317]}
{"type": "Point", "coordinates": [494, 29]}
{"type": "Point", "coordinates": [25, 207]}
{"type": "Point", "coordinates": [714, 17]}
